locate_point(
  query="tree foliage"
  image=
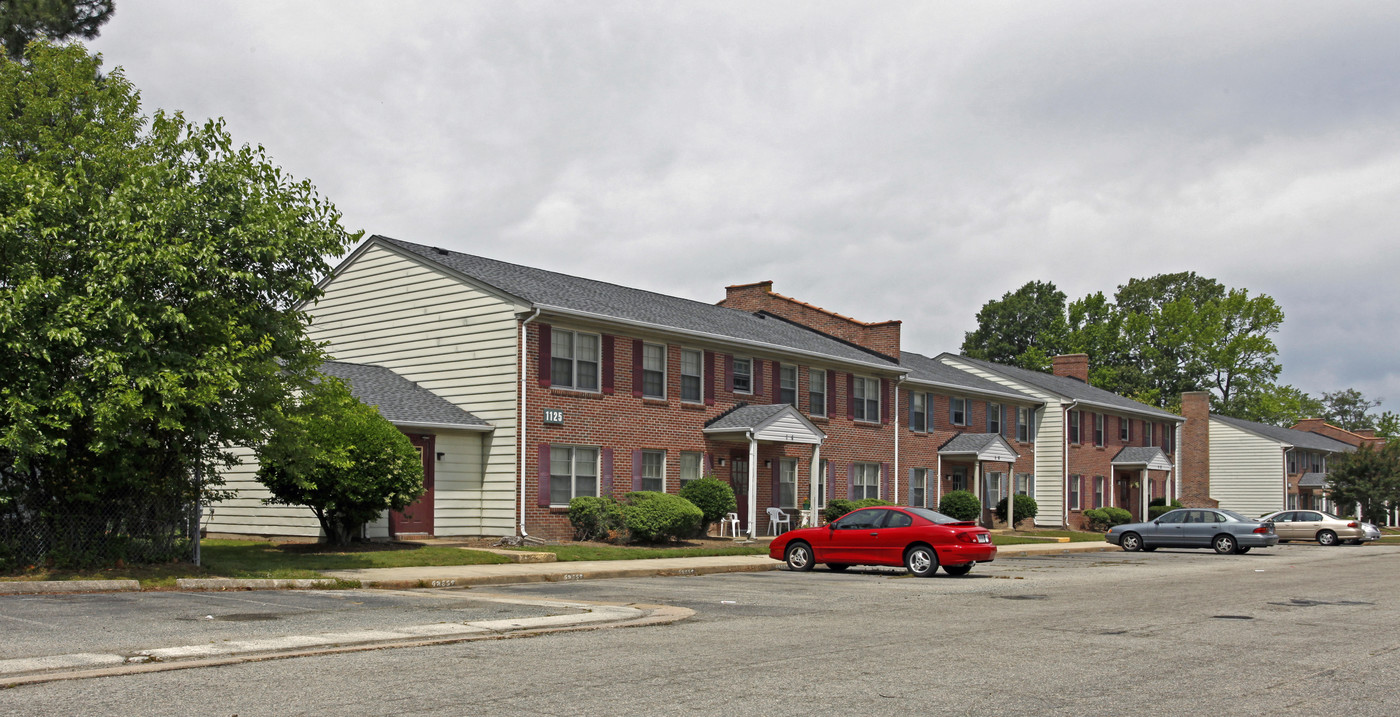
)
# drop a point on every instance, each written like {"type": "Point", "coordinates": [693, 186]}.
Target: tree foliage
{"type": "Point", "coordinates": [341, 459]}
{"type": "Point", "coordinates": [1024, 328]}
{"type": "Point", "coordinates": [1349, 409]}
{"type": "Point", "coordinates": [1368, 477]}
{"type": "Point", "coordinates": [1276, 404]}
{"type": "Point", "coordinates": [24, 20]}
{"type": "Point", "coordinates": [152, 275]}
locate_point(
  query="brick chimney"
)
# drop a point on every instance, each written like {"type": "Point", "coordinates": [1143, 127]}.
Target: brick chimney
{"type": "Point", "coordinates": [1195, 451]}
{"type": "Point", "coordinates": [881, 337]}
{"type": "Point", "coordinates": [1075, 366]}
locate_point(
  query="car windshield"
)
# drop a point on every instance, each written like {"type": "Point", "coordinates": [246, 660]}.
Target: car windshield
{"type": "Point", "coordinates": [933, 516]}
{"type": "Point", "coordinates": [1236, 516]}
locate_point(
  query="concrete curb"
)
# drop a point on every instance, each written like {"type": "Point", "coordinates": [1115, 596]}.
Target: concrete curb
{"type": "Point", "coordinates": [559, 574]}
{"type": "Point", "coordinates": [32, 587]}
{"type": "Point", "coordinates": [254, 584]}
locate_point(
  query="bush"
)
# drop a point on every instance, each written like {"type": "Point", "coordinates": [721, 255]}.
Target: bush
{"type": "Point", "coordinates": [839, 507]}
{"type": "Point", "coordinates": [1158, 506]}
{"type": "Point", "coordinates": [1101, 519]}
{"type": "Point", "coordinates": [960, 504]}
{"type": "Point", "coordinates": [713, 497]}
{"type": "Point", "coordinates": [594, 518]}
{"type": "Point", "coordinates": [1026, 507]}
{"type": "Point", "coordinates": [652, 517]}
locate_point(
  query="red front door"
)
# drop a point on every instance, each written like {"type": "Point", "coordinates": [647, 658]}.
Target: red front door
{"type": "Point", "coordinates": [417, 517]}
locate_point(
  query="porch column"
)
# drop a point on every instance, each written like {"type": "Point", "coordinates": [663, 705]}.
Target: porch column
{"type": "Point", "coordinates": [938, 491]}
{"type": "Point", "coordinates": [753, 487]}
{"type": "Point", "coordinates": [1145, 496]}
{"type": "Point", "coordinates": [977, 485]}
{"type": "Point", "coordinates": [816, 476]}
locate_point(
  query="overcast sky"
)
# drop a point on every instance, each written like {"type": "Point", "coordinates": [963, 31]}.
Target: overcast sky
{"type": "Point", "coordinates": [884, 160]}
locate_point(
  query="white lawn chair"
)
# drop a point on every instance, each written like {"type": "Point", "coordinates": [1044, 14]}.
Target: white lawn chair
{"type": "Point", "coordinates": [731, 520]}
{"type": "Point", "coordinates": [777, 517]}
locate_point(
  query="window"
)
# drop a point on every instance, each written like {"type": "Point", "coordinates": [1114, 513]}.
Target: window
{"type": "Point", "coordinates": [917, 487]}
{"type": "Point", "coordinates": [653, 371]}
{"type": "Point", "coordinates": [822, 472]}
{"type": "Point", "coordinates": [918, 416]}
{"type": "Point", "coordinates": [1098, 429]}
{"type": "Point", "coordinates": [787, 385]}
{"type": "Point", "coordinates": [993, 417]}
{"type": "Point", "coordinates": [957, 411]}
{"type": "Point", "coordinates": [816, 392]}
{"type": "Point", "coordinates": [1074, 427]}
{"type": "Point", "coordinates": [692, 383]}
{"type": "Point", "coordinates": [1025, 428]}
{"type": "Point", "coordinates": [1292, 462]}
{"type": "Point", "coordinates": [867, 481]}
{"type": "Point", "coordinates": [1098, 491]}
{"type": "Point", "coordinates": [867, 519]}
{"type": "Point", "coordinates": [959, 477]}
{"type": "Point", "coordinates": [1025, 484]}
{"type": "Point", "coordinates": [1147, 433]}
{"type": "Point", "coordinates": [573, 472]}
{"type": "Point", "coordinates": [996, 487]}
{"type": "Point", "coordinates": [690, 467]}
{"type": "Point", "coordinates": [865, 402]}
{"type": "Point", "coordinates": [787, 483]}
{"type": "Point", "coordinates": [654, 471]}
{"type": "Point", "coordinates": [574, 360]}
{"type": "Point", "coordinates": [1124, 430]}
{"type": "Point", "coordinates": [743, 375]}
{"type": "Point", "coordinates": [1074, 482]}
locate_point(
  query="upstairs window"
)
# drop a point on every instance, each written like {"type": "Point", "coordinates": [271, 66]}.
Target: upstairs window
{"type": "Point", "coordinates": [865, 403]}
{"type": "Point", "coordinates": [957, 411]}
{"type": "Point", "coordinates": [1025, 424]}
{"type": "Point", "coordinates": [787, 385]}
{"type": "Point", "coordinates": [692, 375]}
{"type": "Point", "coordinates": [743, 375]}
{"type": "Point", "coordinates": [1074, 427]}
{"type": "Point", "coordinates": [816, 392]}
{"type": "Point", "coordinates": [1098, 429]}
{"type": "Point", "coordinates": [918, 415]}
{"type": "Point", "coordinates": [994, 418]}
{"type": "Point", "coordinates": [574, 360]}
{"type": "Point", "coordinates": [1125, 430]}
{"type": "Point", "coordinates": [653, 371]}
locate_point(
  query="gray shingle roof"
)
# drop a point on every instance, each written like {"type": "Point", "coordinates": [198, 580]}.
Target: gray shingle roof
{"type": "Point", "coordinates": [1138, 454]}
{"type": "Point", "coordinates": [549, 288]}
{"type": "Point", "coordinates": [399, 400]}
{"type": "Point", "coordinates": [745, 416]}
{"type": "Point", "coordinates": [1300, 439]}
{"type": "Point", "coordinates": [1069, 388]}
{"type": "Point", "coordinates": [968, 443]}
{"type": "Point", "coordinates": [923, 368]}
{"type": "Point", "coordinates": [1312, 480]}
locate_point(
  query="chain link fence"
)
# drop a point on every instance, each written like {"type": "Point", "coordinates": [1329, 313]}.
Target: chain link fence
{"type": "Point", "coordinates": [76, 532]}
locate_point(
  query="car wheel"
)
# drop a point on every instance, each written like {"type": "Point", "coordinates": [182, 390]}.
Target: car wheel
{"type": "Point", "coordinates": [1326, 537]}
{"type": "Point", "coordinates": [1224, 544]}
{"type": "Point", "coordinates": [799, 557]}
{"type": "Point", "coordinates": [1241, 550]}
{"type": "Point", "coordinates": [1131, 542]}
{"type": "Point", "coordinates": [921, 561]}
{"type": "Point", "coordinates": [1148, 548]}
{"type": "Point", "coordinates": [837, 567]}
{"type": "Point", "coordinates": [957, 570]}
{"type": "Point", "coordinates": [1352, 542]}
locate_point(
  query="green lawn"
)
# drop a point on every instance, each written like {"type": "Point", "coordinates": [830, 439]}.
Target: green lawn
{"type": "Point", "coordinates": [569, 553]}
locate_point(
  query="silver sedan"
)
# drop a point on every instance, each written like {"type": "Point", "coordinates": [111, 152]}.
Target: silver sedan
{"type": "Point", "coordinates": [1224, 531]}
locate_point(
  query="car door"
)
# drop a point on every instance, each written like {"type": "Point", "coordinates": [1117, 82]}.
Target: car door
{"type": "Point", "coordinates": [1198, 528]}
{"type": "Point", "coordinates": [1306, 523]}
{"type": "Point", "coordinates": [1166, 530]}
{"type": "Point", "coordinates": [853, 538]}
{"type": "Point", "coordinates": [1283, 525]}
{"type": "Point", "coordinates": [892, 537]}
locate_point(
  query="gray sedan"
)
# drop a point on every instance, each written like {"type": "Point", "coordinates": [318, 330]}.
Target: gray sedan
{"type": "Point", "coordinates": [1224, 531]}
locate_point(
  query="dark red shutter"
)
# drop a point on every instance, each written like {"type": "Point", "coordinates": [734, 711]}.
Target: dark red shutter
{"type": "Point", "coordinates": [709, 378]}
{"type": "Point", "coordinates": [830, 393]}
{"type": "Point", "coordinates": [885, 401]}
{"type": "Point", "coordinates": [729, 372]}
{"type": "Point", "coordinates": [885, 481]}
{"type": "Point", "coordinates": [756, 372]}
{"type": "Point", "coordinates": [777, 382]}
{"type": "Point", "coordinates": [605, 480]}
{"type": "Point", "coordinates": [546, 360]}
{"type": "Point", "coordinates": [609, 361]}
{"type": "Point", "coordinates": [851, 482]}
{"type": "Point", "coordinates": [851, 396]}
{"type": "Point", "coordinates": [637, 368]}
{"type": "Point", "coordinates": [636, 470]}
{"type": "Point", "coordinates": [544, 476]}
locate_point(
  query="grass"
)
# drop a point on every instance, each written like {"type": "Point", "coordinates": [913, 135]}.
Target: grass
{"type": "Point", "coordinates": [570, 553]}
{"type": "Point", "coordinates": [261, 559]}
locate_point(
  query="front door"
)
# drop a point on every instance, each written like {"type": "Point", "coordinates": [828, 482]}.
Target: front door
{"type": "Point", "coordinates": [417, 517]}
{"type": "Point", "coordinates": [739, 480]}
{"type": "Point", "coordinates": [1128, 497]}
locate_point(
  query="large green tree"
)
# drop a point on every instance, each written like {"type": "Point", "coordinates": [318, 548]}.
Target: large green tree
{"type": "Point", "coordinates": [1024, 328]}
{"type": "Point", "coordinates": [341, 459]}
{"type": "Point", "coordinates": [1276, 404]}
{"type": "Point", "coordinates": [1368, 477]}
{"type": "Point", "coordinates": [22, 21]}
{"type": "Point", "coordinates": [1349, 409]}
{"type": "Point", "coordinates": [152, 279]}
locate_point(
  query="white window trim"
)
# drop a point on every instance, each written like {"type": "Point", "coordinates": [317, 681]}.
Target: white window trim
{"type": "Point", "coordinates": [998, 414]}
{"type": "Point", "coordinates": [653, 451]}
{"type": "Point", "coordinates": [664, 360]}
{"type": "Point", "coordinates": [1100, 430]}
{"type": "Point", "coordinates": [783, 465]}
{"type": "Point", "coordinates": [812, 408]}
{"type": "Point", "coordinates": [699, 466]}
{"type": "Point", "coordinates": [701, 397]}
{"type": "Point", "coordinates": [573, 472]}
{"type": "Point", "coordinates": [863, 471]}
{"type": "Point", "coordinates": [921, 480]}
{"type": "Point", "coordinates": [865, 383]}
{"type": "Point", "coordinates": [1074, 428]}
{"type": "Point", "coordinates": [735, 360]}
{"type": "Point", "coordinates": [952, 412]}
{"type": "Point", "coordinates": [573, 359]}
{"type": "Point", "coordinates": [796, 382]}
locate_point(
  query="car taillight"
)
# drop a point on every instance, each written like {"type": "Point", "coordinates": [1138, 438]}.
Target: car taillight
{"type": "Point", "coordinates": [1352, 524]}
{"type": "Point", "coordinates": [967, 537]}
{"type": "Point", "coordinates": [1262, 529]}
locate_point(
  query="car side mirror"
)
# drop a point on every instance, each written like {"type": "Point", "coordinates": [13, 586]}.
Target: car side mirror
{"type": "Point", "coordinates": [1156, 522]}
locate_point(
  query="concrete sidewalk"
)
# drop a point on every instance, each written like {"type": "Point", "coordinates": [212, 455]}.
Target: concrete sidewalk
{"type": "Point", "coordinates": [537, 572]}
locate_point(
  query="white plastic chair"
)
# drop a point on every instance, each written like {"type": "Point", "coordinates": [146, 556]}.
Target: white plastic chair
{"type": "Point", "coordinates": [777, 517]}
{"type": "Point", "coordinates": [731, 520]}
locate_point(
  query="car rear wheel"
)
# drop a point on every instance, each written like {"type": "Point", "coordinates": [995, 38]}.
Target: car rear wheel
{"type": "Point", "coordinates": [1148, 548]}
{"type": "Point", "coordinates": [921, 561]}
{"type": "Point", "coordinates": [957, 570]}
{"type": "Point", "coordinates": [837, 567]}
{"type": "Point", "coordinates": [1352, 542]}
{"type": "Point", "coordinates": [799, 557]}
{"type": "Point", "coordinates": [1241, 550]}
{"type": "Point", "coordinates": [1326, 537]}
{"type": "Point", "coordinates": [1224, 544]}
{"type": "Point", "coordinates": [1131, 542]}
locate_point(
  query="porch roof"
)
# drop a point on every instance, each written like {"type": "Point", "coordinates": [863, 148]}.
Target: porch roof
{"type": "Point", "coordinates": [778, 423]}
{"type": "Point", "coordinates": [985, 446]}
{"type": "Point", "coordinates": [1312, 480]}
{"type": "Point", "coordinates": [1149, 457]}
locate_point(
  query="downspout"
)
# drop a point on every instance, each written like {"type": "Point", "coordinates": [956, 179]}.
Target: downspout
{"type": "Point", "coordinates": [1064, 460]}
{"type": "Point", "coordinates": [753, 485]}
{"type": "Point", "coordinates": [524, 392]}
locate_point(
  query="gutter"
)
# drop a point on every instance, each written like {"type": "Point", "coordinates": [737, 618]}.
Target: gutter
{"type": "Point", "coordinates": [523, 420]}
{"type": "Point", "coordinates": [1064, 472]}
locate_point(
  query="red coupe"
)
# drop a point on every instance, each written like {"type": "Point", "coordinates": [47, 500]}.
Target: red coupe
{"type": "Point", "coordinates": [917, 538]}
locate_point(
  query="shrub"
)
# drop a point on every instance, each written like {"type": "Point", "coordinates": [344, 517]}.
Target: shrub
{"type": "Point", "coordinates": [1026, 507]}
{"type": "Point", "coordinates": [1101, 519]}
{"type": "Point", "coordinates": [960, 504]}
{"type": "Point", "coordinates": [594, 518]}
{"type": "Point", "coordinates": [1158, 506]}
{"type": "Point", "coordinates": [713, 497]}
{"type": "Point", "coordinates": [652, 517]}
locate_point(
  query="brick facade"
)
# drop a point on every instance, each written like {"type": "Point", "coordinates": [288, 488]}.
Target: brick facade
{"type": "Point", "coordinates": [880, 337]}
{"type": "Point", "coordinates": [1195, 451]}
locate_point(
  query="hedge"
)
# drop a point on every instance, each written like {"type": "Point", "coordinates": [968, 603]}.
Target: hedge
{"type": "Point", "coordinates": [713, 497]}
{"type": "Point", "coordinates": [1101, 519]}
{"type": "Point", "coordinates": [1026, 507]}
{"type": "Point", "coordinates": [960, 504]}
{"type": "Point", "coordinates": [652, 517]}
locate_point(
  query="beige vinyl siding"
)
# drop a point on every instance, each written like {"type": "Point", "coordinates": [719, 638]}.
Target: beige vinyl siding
{"type": "Point", "coordinates": [245, 514]}
{"type": "Point", "coordinates": [448, 336]}
{"type": "Point", "coordinates": [1246, 470]}
{"type": "Point", "coordinates": [1050, 464]}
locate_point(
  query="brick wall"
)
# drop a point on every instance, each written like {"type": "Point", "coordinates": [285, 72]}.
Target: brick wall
{"type": "Point", "coordinates": [1195, 451]}
{"type": "Point", "coordinates": [1351, 438]}
{"type": "Point", "coordinates": [1074, 366]}
{"type": "Point", "coordinates": [880, 337]}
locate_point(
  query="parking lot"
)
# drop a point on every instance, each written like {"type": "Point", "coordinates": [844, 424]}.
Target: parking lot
{"type": "Point", "coordinates": [1297, 629]}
